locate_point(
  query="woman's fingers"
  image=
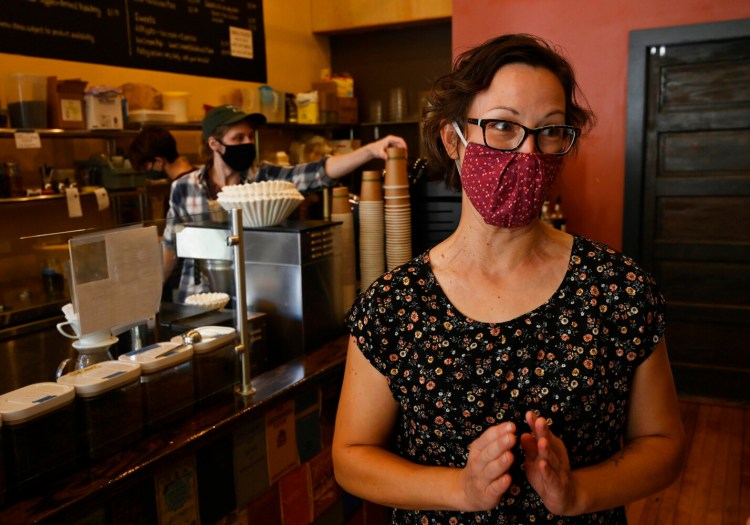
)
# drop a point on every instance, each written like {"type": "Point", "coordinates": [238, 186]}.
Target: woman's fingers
{"type": "Point", "coordinates": [485, 477]}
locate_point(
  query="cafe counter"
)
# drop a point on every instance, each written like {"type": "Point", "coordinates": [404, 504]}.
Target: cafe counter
{"type": "Point", "coordinates": [239, 459]}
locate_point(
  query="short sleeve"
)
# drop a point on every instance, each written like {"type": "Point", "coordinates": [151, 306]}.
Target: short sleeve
{"type": "Point", "coordinates": [369, 322]}
{"type": "Point", "coordinates": [637, 309]}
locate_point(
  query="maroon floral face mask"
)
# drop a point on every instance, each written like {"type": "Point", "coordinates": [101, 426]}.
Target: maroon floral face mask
{"type": "Point", "coordinates": [507, 188]}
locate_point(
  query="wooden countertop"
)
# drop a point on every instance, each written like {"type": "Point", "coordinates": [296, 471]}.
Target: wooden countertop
{"type": "Point", "coordinates": [89, 485]}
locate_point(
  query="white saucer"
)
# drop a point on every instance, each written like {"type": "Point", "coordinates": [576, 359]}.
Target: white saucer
{"type": "Point", "coordinates": [104, 343]}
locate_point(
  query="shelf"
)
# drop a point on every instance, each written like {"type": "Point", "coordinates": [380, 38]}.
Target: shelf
{"type": "Point", "coordinates": [390, 123]}
{"type": "Point", "coordinates": [132, 129]}
{"type": "Point", "coordinates": [73, 133]}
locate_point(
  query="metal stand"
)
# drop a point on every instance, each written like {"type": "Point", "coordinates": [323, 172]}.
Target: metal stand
{"type": "Point", "coordinates": [243, 349]}
{"type": "Point", "coordinates": [212, 243]}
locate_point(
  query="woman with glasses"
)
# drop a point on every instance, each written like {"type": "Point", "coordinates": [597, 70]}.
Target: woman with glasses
{"type": "Point", "coordinates": [513, 373]}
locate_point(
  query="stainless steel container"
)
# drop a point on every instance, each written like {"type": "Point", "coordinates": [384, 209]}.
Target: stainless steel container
{"type": "Point", "coordinates": [291, 275]}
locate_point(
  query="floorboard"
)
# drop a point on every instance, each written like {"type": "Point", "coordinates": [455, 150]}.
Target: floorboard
{"type": "Point", "coordinates": [714, 485]}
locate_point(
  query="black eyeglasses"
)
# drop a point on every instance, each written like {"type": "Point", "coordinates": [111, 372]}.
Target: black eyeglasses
{"type": "Point", "coordinates": [506, 135]}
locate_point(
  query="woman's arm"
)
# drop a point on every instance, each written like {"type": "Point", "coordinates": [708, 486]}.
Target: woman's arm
{"type": "Point", "coordinates": [650, 460]}
{"type": "Point", "coordinates": [340, 165]}
{"type": "Point", "coordinates": [364, 467]}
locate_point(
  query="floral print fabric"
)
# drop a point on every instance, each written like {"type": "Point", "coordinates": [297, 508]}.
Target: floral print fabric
{"type": "Point", "coordinates": [572, 360]}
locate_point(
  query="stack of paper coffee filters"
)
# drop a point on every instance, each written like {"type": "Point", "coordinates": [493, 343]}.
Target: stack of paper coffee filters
{"type": "Point", "coordinates": [342, 212]}
{"type": "Point", "coordinates": [264, 203]}
{"type": "Point", "coordinates": [371, 231]}
{"type": "Point", "coordinates": [397, 209]}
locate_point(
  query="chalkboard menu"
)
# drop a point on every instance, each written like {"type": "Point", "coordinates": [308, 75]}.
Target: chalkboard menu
{"type": "Point", "coordinates": [211, 38]}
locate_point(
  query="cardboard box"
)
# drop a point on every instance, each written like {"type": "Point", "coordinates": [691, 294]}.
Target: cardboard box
{"type": "Point", "coordinates": [65, 103]}
{"type": "Point", "coordinates": [325, 87]}
{"type": "Point", "coordinates": [348, 110]}
{"type": "Point", "coordinates": [327, 102]}
{"type": "Point", "coordinates": [103, 111]}
{"type": "Point", "coordinates": [328, 107]}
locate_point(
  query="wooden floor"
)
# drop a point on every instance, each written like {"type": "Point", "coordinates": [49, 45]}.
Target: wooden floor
{"type": "Point", "coordinates": [714, 486]}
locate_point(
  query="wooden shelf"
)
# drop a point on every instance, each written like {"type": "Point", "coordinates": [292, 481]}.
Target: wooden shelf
{"type": "Point", "coordinates": [133, 129]}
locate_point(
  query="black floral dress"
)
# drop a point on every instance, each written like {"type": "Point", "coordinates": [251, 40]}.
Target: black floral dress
{"type": "Point", "coordinates": [572, 360]}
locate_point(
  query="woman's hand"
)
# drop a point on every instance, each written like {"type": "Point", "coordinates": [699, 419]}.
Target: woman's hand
{"type": "Point", "coordinates": [485, 478]}
{"type": "Point", "coordinates": [547, 466]}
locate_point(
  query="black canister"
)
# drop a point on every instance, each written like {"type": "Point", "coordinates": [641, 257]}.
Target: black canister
{"type": "Point", "coordinates": [38, 434]}
{"type": "Point", "coordinates": [167, 381]}
{"type": "Point", "coordinates": [214, 362]}
{"type": "Point", "coordinates": [109, 407]}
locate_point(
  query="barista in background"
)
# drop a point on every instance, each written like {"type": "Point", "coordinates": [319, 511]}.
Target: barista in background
{"type": "Point", "coordinates": [154, 150]}
{"type": "Point", "coordinates": [229, 135]}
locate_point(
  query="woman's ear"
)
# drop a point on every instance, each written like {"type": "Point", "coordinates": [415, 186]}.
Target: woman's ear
{"type": "Point", "coordinates": [450, 139]}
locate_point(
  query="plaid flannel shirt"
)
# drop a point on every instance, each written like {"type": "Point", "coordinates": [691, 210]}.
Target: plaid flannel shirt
{"type": "Point", "coordinates": [189, 201]}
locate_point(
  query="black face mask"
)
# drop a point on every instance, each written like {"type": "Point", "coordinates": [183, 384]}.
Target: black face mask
{"type": "Point", "coordinates": [239, 157]}
{"type": "Point", "coordinates": [152, 174]}
{"type": "Point", "coordinates": [156, 174]}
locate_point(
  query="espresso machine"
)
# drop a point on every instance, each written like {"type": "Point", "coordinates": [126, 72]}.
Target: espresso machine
{"type": "Point", "coordinates": [292, 274]}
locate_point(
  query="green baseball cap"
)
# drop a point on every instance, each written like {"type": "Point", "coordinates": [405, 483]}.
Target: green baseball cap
{"type": "Point", "coordinates": [226, 115]}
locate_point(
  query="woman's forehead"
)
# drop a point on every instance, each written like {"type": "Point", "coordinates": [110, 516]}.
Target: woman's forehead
{"type": "Point", "coordinates": [519, 87]}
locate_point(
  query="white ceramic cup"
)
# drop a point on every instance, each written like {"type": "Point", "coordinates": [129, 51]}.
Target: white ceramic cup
{"type": "Point", "coordinates": [89, 339]}
{"type": "Point", "coordinates": [74, 324]}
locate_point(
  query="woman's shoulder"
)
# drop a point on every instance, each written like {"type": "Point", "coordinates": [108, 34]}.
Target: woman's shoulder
{"type": "Point", "coordinates": [396, 285]}
{"type": "Point", "coordinates": [595, 265]}
{"type": "Point", "coordinates": [406, 275]}
{"type": "Point", "coordinates": [590, 253]}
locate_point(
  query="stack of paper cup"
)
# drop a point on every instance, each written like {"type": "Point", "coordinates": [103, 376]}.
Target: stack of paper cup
{"type": "Point", "coordinates": [397, 209]}
{"type": "Point", "coordinates": [342, 212]}
{"type": "Point", "coordinates": [371, 233]}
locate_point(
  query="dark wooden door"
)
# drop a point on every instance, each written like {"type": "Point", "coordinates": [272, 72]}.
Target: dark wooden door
{"type": "Point", "coordinates": [694, 214]}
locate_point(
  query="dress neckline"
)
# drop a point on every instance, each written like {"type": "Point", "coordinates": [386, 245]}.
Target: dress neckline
{"type": "Point", "coordinates": [459, 315]}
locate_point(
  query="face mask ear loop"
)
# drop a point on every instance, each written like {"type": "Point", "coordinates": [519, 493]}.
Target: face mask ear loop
{"type": "Point", "coordinates": [461, 136]}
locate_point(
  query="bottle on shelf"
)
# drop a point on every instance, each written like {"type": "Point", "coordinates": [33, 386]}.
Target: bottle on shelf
{"type": "Point", "coordinates": [558, 217]}
{"type": "Point", "coordinates": [545, 214]}
{"type": "Point", "coordinates": [16, 179]}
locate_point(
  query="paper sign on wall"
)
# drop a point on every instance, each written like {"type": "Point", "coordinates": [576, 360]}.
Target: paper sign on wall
{"type": "Point", "coordinates": [74, 202]}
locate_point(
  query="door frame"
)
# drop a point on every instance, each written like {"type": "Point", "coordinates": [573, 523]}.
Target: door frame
{"type": "Point", "coordinates": [640, 45]}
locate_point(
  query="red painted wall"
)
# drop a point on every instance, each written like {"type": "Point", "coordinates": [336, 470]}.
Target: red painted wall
{"type": "Point", "coordinates": [593, 35]}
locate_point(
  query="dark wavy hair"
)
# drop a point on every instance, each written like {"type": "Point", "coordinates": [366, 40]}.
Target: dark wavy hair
{"type": "Point", "coordinates": [472, 73]}
{"type": "Point", "coordinates": [150, 143]}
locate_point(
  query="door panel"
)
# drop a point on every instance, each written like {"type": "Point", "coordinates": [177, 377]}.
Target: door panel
{"type": "Point", "coordinates": [693, 229]}
{"type": "Point", "coordinates": [696, 218]}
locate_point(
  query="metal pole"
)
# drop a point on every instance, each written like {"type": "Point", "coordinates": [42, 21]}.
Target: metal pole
{"type": "Point", "coordinates": [243, 349]}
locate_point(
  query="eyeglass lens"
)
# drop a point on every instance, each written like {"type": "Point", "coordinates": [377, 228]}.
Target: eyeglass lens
{"type": "Point", "coordinates": [508, 135]}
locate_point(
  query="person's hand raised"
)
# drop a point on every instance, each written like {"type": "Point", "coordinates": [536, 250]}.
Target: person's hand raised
{"type": "Point", "coordinates": [547, 466]}
{"type": "Point", "coordinates": [378, 148]}
{"type": "Point", "coordinates": [485, 477]}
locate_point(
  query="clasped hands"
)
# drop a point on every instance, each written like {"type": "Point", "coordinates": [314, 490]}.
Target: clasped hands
{"type": "Point", "coordinates": [485, 478]}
